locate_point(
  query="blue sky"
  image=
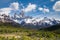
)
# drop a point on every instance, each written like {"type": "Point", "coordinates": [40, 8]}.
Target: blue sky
{"type": "Point", "coordinates": [39, 7]}
{"type": "Point", "coordinates": [5, 3]}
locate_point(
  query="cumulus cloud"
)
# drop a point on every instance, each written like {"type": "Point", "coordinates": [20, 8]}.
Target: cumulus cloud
{"type": "Point", "coordinates": [6, 11]}
{"type": "Point", "coordinates": [14, 6]}
{"type": "Point", "coordinates": [45, 10]}
{"type": "Point", "coordinates": [56, 6]}
{"type": "Point", "coordinates": [30, 7]}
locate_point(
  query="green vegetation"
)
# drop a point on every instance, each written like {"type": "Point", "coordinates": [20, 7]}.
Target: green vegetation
{"type": "Point", "coordinates": [16, 32]}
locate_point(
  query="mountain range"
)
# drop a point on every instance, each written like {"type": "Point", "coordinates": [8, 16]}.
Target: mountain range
{"type": "Point", "coordinates": [30, 22]}
{"type": "Point", "coordinates": [36, 22]}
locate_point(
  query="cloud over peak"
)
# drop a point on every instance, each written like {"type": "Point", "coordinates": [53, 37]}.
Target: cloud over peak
{"type": "Point", "coordinates": [30, 7]}
{"type": "Point", "coordinates": [14, 6]}
{"type": "Point", "coordinates": [5, 11]}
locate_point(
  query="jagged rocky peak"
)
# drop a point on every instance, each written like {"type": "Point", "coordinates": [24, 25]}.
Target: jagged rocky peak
{"type": "Point", "coordinates": [22, 14]}
{"type": "Point", "coordinates": [5, 18]}
{"type": "Point", "coordinates": [46, 19]}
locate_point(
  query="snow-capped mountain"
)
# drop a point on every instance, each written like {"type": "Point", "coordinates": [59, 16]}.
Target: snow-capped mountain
{"type": "Point", "coordinates": [36, 21]}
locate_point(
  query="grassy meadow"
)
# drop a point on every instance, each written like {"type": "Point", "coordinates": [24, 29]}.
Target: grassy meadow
{"type": "Point", "coordinates": [16, 32]}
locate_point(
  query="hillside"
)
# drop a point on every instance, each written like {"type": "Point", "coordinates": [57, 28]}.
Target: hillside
{"type": "Point", "coordinates": [16, 32]}
{"type": "Point", "coordinates": [53, 28]}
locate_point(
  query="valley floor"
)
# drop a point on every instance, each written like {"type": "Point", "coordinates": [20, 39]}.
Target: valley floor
{"type": "Point", "coordinates": [9, 32]}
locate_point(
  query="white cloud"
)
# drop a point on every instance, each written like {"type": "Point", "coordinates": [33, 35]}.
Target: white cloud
{"type": "Point", "coordinates": [30, 7]}
{"type": "Point", "coordinates": [14, 6]}
{"type": "Point", "coordinates": [56, 6]}
{"type": "Point", "coordinates": [43, 9]}
{"type": "Point", "coordinates": [46, 10]}
{"type": "Point", "coordinates": [5, 11]}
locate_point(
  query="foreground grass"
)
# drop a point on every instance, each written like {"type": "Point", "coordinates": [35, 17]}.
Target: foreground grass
{"type": "Point", "coordinates": [9, 32]}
